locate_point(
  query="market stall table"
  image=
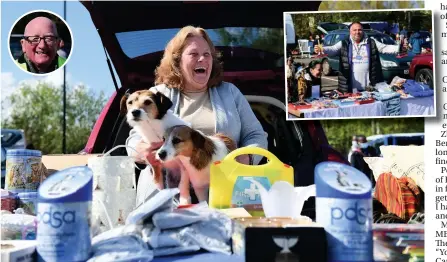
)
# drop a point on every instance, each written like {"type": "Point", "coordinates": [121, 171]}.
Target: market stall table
{"type": "Point", "coordinates": [411, 106]}
{"type": "Point", "coordinates": [201, 257]}
{"type": "Point", "coordinates": [353, 110]}
{"type": "Point", "coordinates": [417, 106]}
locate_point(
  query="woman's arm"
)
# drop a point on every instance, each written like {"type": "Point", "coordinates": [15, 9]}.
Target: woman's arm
{"type": "Point", "coordinates": [252, 133]}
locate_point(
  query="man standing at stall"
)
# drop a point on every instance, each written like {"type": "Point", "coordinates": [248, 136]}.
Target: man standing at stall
{"type": "Point", "coordinates": [359, 63]}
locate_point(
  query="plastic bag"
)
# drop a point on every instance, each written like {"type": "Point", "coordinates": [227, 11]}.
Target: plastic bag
{"type": "Point", "coordinates": [18, 227]}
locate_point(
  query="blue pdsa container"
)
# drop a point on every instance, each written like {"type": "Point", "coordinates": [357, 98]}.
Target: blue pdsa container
{"type": "Point", "coordinates": [63, 214]}
{"type": "Point", "coordinates": [344, 209]}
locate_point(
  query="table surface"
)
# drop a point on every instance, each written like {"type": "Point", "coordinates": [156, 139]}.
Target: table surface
{"type": "Point", "coordinates": [202, 257]}
{"type": "Point", "coordinates": [417, 106]}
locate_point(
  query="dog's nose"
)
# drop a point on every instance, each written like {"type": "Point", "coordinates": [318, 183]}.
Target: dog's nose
{"type": "Point", "coordinates": [162, 154]}
{"type": "Point", "coordinates": [136, 113]}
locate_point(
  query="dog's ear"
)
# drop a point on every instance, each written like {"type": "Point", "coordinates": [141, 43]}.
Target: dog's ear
{"type": "Point", "coordinates": [123, 106]}
{"type": "Point", "coordinates": [198, 140]}
{"type": "Point", "coordinates": [202, 152]}
{"type": "Point", "coordinates": [163, 104]}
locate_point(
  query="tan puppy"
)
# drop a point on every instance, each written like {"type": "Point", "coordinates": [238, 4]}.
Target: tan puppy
{"type": "Point", "coordinates": [196, 152]}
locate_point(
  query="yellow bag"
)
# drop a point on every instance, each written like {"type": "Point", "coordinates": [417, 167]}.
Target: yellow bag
{"type": "Point", "coordinates": [229, 189]}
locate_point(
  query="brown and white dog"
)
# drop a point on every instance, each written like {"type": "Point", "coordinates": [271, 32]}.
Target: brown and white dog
{"type": "Point", "coordinates": [196, 152]}
{"type": "Point", "coordinates": [150, 116]}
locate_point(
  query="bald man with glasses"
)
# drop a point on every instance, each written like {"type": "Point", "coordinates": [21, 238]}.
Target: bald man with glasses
{"type": "Point", "coordinates": [40, 45]}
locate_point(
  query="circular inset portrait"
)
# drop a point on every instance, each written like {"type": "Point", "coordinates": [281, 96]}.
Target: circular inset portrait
{"type": "Point", "coordinates": [40, 42]}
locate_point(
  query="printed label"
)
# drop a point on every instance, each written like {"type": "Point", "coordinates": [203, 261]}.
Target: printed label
{"type": "Point", "coordinates": [345, 178]}
{"type": "Point", "coordinates": [348, 225]}
{"type": "Point", "coordinates": [23, 173]}
{"type": "Point", "coordinates": [246, 194]}
{"type": "Point", "coordinates": [63, 231]}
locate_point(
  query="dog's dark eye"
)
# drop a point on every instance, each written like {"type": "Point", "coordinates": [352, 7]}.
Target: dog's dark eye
{"type": "Point", "coordinates": [164, 139]}
{"type": "Point", "coordinates": [176, 140]}
{"type": "Point", "coordinates": [130, 102]}
{"type": "Point", "coordinates": [147, 102]}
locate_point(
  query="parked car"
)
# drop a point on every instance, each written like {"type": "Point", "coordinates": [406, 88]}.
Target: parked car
{"type": "Point", "coordinates": [326, 27]}
{"type": "Point", "coordinates": [421, 68]}
{"type": "Point", "coordinates": [125, 26]}
{"type": "Point", "coordinates": [392, 65]}
{"type": "Point", "coordinates": [403, 139]}
{"type": "Point", "coordinates": [11, 139]}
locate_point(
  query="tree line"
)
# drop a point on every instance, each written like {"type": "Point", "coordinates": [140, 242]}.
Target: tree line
{"type": "Point", "coordinates": [340, 132]}
{"type": "Point", "coordinates": [38, 110]}
{"type": "Point", "coordinates": [306, 23]}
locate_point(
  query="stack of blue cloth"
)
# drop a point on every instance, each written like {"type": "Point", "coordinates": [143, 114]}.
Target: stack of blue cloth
{"type": "Point", "coordinates": [157, 228]}
{"type": "Point", "coordinates": [391, 100]}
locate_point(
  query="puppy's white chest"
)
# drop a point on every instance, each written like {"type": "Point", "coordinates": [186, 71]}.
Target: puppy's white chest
{"type": "Point", "coordinates": [151, 131]}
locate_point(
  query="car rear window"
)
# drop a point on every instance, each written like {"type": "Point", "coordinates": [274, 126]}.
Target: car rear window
{"type": "Point", "coordinates": [139, 43]}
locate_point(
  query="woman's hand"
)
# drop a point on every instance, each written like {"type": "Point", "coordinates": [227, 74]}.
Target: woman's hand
{"type": "Point", "coordinates": [148, 152]}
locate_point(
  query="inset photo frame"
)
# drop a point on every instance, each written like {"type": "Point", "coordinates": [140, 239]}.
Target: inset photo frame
{"type": "Point", "coordinates": [40, 42]}
{"type": "Point", "coordinates": [359, 64]}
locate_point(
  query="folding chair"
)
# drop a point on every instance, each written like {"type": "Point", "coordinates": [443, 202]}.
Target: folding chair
{"type": "Point", "coordinates": [303, 44]}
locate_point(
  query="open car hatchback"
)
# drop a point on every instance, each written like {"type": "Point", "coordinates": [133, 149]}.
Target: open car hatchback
{"type": "Point", "coordinates": [250, 40]}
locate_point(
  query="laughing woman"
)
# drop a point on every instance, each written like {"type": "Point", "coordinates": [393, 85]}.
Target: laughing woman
{"type": "Point", "coordinates": [191, 76]}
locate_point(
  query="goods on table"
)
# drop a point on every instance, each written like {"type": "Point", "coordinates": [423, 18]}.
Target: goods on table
{"type": "Point", "coordinates": [228, 188]}
{"type": "Point", "coordinates": [114, 189]}
{"type": "Point", "coordinates": [8, 200]}
{"type": "Point", "coordinates": [398, 242]}
{"type": "Point", "coordinates": [344, 209]}
{"type": "Point", "coordinates": [64, 212]}
{"type": "Point", "coordinates": [28, 201]}
{"type": "Point", "coordinates": [300, 105]}
{"type": "Point", "coordinates": [24, 171]}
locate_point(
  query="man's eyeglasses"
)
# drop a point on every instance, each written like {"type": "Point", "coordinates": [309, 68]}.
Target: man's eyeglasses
{"type": "Point", "coordinates": [35, 40]}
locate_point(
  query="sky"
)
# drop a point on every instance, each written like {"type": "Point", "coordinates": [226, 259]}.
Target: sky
{"type": "Point", "coordinates": [87, 63]}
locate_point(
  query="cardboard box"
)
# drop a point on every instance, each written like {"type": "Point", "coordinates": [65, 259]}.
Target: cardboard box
{"type": "Point", "coordinates": [278, 239]}
{"type": "Point", "coordinates": [18, 250]}
{"type": "Point", "coordinates": [54, 163]}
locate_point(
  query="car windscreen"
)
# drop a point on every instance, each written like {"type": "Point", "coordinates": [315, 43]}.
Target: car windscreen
{"type": "Point", "coordinates": [384, 39]}
{"type": "Point", "coordinates": [139, 43]}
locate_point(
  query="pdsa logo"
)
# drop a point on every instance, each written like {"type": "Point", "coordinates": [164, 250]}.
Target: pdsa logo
{"type": "Point", "coordinates": [355, 213]}
{"type": "Point", "coordinates": [56, 218]}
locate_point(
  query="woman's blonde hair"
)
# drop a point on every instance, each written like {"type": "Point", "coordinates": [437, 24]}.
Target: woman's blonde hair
{"type": "Point", "coordinates": [169, 72]}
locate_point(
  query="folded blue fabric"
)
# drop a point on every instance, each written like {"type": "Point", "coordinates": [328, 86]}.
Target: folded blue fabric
{"type": "Point", "coordinates": [176, 218]}
{"type": "Point", "coordinates": [417, 89]}
{"type": "Point", "coordinates": [121, 248]}
{"type": "Point", "coordinates": [391, 100]}
{"type": "Point", "coordinates": [163, 200]}
{"type": "Point", "coordinates": [168, 251]}
{"type": "Point", "coordinates": [197, 226]}
{"type": "Point", "coordinates": [383, 96]}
